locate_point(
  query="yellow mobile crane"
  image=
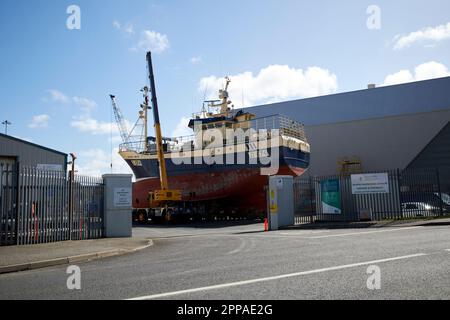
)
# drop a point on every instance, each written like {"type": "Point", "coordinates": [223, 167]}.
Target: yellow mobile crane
{"type": "Point", "coordinates": [159, 200]}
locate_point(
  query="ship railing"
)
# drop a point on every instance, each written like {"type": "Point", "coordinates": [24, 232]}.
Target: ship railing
{"type": "Point", "coordinates": [292, 128]}
{"type": "Point", "coordinates": [287, 127]}
{"type": "Point", "coordinates": [137, 146]}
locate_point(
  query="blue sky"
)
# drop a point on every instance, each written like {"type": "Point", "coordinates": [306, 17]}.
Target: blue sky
{"type": "Point", "coordinates": [55, 82]}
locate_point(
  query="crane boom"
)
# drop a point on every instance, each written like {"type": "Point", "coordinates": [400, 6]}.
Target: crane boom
{"type": "Point", "coordinates": [120, 120]}
{"type": "Point", "coordinates": [160, 198]}
{"type": "Point", "coordinates": [159, 147]}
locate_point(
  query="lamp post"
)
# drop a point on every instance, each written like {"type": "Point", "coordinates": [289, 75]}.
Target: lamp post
{"type": "Point", "coordinates": [6, 123]}
{"type": "Point", "coordinates": [71, 187]}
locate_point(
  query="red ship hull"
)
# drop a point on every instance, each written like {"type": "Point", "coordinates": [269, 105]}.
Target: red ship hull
{"type": "Point", "coordinates": [244, 188]}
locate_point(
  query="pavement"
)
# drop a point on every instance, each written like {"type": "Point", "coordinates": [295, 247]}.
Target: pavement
{"type": "Point", "coordinates": [21, 258]}
{"type": "Point", "coordinates": [445, 221]}
{"type": "Point", "coordinates": [239, 262]}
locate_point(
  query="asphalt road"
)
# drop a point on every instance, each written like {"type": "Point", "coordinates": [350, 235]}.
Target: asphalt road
{"type": "Point", "coordinates": [239, 262]}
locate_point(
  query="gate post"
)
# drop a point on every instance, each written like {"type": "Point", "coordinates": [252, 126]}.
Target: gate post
{"type": "Point", "coordinates": [281, 202]}
{"type": "Point", "coordinates": [400, 195]}
{"type": "Point", "coordinates": [17, 208]}
{"type": "Point", "coordinates": [117, 205]}
{"type": "Point", "coordinates": [441, 208]}
{"type": "Point", "coordinates": [312, 199]}
{"type": "Point", "coordinates": [71, 179]}
{"type": "Point", "coordinates": [71, 198]}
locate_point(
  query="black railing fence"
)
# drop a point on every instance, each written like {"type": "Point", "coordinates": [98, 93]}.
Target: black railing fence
{"type": "Point", "coordinates": [384, 195]}
{"type": "Point", "coordinates": [36, 208]}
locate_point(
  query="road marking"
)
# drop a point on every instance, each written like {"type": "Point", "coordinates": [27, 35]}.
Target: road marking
{"type": "Point", "coordinates": [361, 233]}
{"type": "Point", "coordinates": [447, 250]}
{"type": "Point", "coordinates": [279, 277]}
{"type": "Point", "coordinates": [303, 232]}
{"type": "Point", "coordinates": [240, 248]}
{"type": "Point", "coordinates": [178, 237]}
{"type": "Point", "coordinates": [252, 246]}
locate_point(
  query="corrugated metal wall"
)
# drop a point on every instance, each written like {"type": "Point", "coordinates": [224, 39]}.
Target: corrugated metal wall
{"type": "Point", "coordinates": [436, 154]}
{"type": "Point", "coordinates": [29, 154]}
{"type": "Point", "coordinates": [414, 97]}
{"type": "Point", "coordinates": [391, 142]}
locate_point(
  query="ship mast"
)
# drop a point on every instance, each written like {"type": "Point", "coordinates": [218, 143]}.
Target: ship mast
{"type": "Point", "coordinates": [146, 107]}
{"type": "Point", "coordinates": [223, 95]}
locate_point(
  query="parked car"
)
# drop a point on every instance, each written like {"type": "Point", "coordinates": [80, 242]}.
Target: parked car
{"type": "Point", "coordinates": [418, 209]}
{"type": "Point", "coordinates": [445, 201]}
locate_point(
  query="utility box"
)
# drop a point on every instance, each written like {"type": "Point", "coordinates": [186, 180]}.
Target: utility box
{"type": "Point", "coordinates": [118, 205]}
{"type": "Point", "coordinates": [280, 202]}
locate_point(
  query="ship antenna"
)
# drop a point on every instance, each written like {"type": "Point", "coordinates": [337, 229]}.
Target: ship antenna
{"type": "Point", "coordinates": [204, 99]}
{"type": "Point", "coordinates": [204, 93]}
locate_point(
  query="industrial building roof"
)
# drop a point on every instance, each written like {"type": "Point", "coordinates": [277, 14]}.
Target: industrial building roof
{"type": "Point", "coordinates": [32, 144]}
{"type": "Point", "coordinates": [414, 97]}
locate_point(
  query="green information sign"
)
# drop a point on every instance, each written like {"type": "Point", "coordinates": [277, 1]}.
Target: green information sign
{"type": "Point", "coordinates": [331, 196]}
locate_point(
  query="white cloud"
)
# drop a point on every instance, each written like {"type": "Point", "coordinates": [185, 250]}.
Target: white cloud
{"type": "Point", "coordinates": [425, 71]}
{"type": "Point", "coordinates": [93, 126]}
{"type": "Point", "coordinates": [58, 96]}
{"type": "Point", "coordinates": [117, 25]}
{"type": "Point", "coordinates": [152, 41]}
{"type": "Point", "coordinates": [85, 103]}
{"type": "Point", "coordinates": [430, 34]}
{"type": "Point", "coordinates": [39, 121]}
{"type": "Point", "coordinates": [115, 139]}
{"type": "Point", "coordinates": [85, 123]}
{"type": "Point", "coordinates": [149, 40]}
{"type": "Point", "coordinates": [402, 76]}
{"type": "Point", "coordinates": [196, 60]}
{"type": "Point", "coordinates": [274, 83]}
{"type": "Point", "coordinates": [129, 29]}
{"type": "Point", "coordinates": [96, 162]}
{"type": "Point", "coordinates": [182, 129]}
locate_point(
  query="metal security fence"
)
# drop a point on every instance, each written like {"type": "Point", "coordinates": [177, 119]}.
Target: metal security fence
{"type": "Point", "coordinates": [87, 217]}
{"type": "Point", "coordinates": [8, 202]}
{"type": "Point", "coordinates": [46, 206]}
{"type": "Point", "coordinates": [304, 200]}
{"type": "Point", "coordinates": [406, 194]}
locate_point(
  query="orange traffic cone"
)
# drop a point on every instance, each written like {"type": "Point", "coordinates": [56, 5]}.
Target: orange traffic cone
{"type": "Point", "coordinates": [266, 225]}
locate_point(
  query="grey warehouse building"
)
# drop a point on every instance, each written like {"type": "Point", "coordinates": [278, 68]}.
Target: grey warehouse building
{"type": "Point", "coordinates": [27, 154]}
{"type": "Point", "coordinates": [394, 127]}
